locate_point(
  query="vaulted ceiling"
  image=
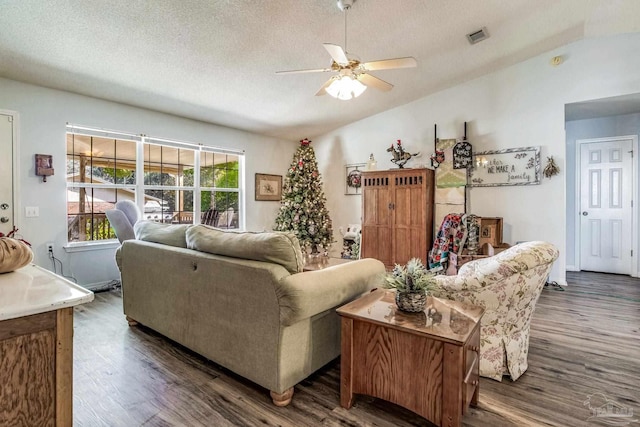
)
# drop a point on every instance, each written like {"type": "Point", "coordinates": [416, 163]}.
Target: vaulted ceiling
{"type": "Point", "coordinates": [215, 60]}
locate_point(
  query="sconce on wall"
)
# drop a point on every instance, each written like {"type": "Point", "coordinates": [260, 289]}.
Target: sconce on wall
{"type": "Point", "coordinates": [44, 166]}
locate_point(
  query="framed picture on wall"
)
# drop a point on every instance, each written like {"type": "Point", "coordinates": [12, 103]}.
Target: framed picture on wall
{"type": "Point", "coordinates": [268, 187]}
{"type": "Point", "coordinates": [353, 178]}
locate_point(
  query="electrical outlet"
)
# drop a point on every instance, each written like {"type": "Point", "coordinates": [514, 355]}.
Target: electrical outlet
{"type": "Point", "coordinates": [50, 248]}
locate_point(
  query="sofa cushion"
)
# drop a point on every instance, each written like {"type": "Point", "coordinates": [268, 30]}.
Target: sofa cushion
{"type": "Point", "coordinates": [166, 234]}
{"type": "Point", "coordinates": [275, 247]}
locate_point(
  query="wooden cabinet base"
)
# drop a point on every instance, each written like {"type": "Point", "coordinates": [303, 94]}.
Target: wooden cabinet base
{"type": "Point", "coordinates": [36, 362]}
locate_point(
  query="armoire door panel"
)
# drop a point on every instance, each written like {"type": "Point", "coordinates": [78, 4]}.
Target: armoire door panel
{"type": "Point", "coordinates": [383, 209]}
{"type": "Point", "coordinates": [409, 243]}
{"type": "Point", "coordinates": [402, 208]}
{"type": "Point", "coordinates": [376, 243]}
{"type": "Point", "coordinates": [417, 211]}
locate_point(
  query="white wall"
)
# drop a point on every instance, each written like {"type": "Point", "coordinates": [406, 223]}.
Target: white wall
{"type": "Point", "coordinates": [520, 106]}
{"type": "Point", "coordinates": [602, 127]}
{"type": "Point", "coordinates": [43, 114]}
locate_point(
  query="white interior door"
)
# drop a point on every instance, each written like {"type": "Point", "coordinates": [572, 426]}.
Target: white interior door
{"type": "Point", "coordinates": [606, 191]}
{"type": "Point", "coordinates": [6, 174]}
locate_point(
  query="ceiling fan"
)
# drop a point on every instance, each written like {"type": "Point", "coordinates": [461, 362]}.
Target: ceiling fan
{"type": "Point", "coordinates": [352, 76]}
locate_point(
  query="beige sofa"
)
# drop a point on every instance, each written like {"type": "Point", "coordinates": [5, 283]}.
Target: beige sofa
{"type": "Point", "coordinates": [508, 286]}
{"type": "Point", "coordinates": [240, 299]}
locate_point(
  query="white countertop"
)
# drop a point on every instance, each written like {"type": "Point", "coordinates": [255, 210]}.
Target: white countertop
{"type": "Point", "coordinates": [33, 290]}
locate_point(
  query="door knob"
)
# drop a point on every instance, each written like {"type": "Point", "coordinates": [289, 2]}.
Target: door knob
{"type": "Point", "coordinates": [4, 206]}
{"type": "Point", "coordinates": [4, 219]}
{"type": "Point", "coordinates": [585, 213]}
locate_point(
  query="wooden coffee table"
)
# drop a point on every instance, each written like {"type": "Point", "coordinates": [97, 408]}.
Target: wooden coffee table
{"type": "Point", "coordinates": [427, 362]}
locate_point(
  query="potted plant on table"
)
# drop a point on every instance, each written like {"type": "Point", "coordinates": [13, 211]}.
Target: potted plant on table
{"type": "Point", "coordinates": [412, 283]}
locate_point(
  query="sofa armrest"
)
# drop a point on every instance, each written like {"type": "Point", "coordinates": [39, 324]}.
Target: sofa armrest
{"type": "Point", "coordinates": [447, 285]}
{"type": "Point", "coordinates": [118, 256]}
{"type": "Point", "coordinates": [304, 295]}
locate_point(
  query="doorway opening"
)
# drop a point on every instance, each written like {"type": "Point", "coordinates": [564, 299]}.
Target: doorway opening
{"type": "Point", "coordinates": [602, 185]}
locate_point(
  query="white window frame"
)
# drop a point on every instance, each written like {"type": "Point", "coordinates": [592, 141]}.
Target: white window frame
{"type": "Point", "coordinates": [139, 187]}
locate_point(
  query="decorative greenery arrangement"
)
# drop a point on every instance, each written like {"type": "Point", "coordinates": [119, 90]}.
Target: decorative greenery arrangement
{"type": "Point", "coordinates": [302, 209]}
{"type": "Point", "coordinates": [411, 277]}
{"type": "Point", "coordinates": [551, 168]}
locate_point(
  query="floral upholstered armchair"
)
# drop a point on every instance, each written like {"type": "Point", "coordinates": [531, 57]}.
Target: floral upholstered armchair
{"type": "Point", "coordinates": [507, 285]}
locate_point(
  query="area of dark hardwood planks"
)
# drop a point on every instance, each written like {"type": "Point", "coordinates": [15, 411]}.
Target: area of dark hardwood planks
{"type": "Point", "coordinates": [583, 340]}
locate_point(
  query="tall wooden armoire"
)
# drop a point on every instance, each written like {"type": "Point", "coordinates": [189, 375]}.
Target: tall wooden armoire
{"type": "Point", "coordinates": [397, 215]}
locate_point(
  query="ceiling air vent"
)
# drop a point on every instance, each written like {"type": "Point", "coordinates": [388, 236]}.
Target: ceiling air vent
{"type": "Point", "coordinates": [478, 36]}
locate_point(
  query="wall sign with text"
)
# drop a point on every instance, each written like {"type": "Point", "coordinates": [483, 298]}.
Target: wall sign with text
{"type": "Point", "coordinates": [513, 166]}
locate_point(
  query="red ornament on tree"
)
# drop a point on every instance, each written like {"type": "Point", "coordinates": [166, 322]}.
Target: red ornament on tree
{"type": "Point", "coordinates": [305, 142]}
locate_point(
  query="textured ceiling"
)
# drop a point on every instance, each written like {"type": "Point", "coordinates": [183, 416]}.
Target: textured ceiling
{"type": "Point", "coordinates": [215, 60]}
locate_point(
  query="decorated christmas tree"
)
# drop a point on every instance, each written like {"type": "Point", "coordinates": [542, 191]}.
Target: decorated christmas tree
{"type": "Point", "coordinates": [302, 209]}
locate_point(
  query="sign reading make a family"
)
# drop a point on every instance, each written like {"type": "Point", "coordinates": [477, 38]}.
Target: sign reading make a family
{"type": "Point", "coordinates": [513, 166]}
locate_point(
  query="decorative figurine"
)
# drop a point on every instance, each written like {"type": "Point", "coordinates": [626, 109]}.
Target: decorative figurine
{"type": "Point", "coordinates": [400, 157]}
{"type": "Point", "coordinates": [371, 163]}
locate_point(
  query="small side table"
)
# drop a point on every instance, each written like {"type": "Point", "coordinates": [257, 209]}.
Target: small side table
{"type": "Point", "coordinates": [427, 363]}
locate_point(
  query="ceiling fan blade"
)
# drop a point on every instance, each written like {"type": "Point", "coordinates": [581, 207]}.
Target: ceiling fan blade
{"type": "Point", "coordinates": [387, 64]}
{"type": "Point", "coordinates": [315, 70]}
{"type": "Point", "coordinates": [337, 53]}
{"type": "Point", "coordinates": [326, 84]}
{"type": "Point", "coordinates": [369, 80]}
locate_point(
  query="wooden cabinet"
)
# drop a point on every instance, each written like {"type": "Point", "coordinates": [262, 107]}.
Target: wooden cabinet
{"type": "Point", "coordinates": [397, 217]}
{"type": "Point", "coordinates": [36, 347]}
{"type": "Point", "coordinates": [35, 369]}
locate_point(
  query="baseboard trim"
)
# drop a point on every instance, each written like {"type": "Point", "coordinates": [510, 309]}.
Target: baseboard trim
{"type": "Point", "coordinates": [572, 268]}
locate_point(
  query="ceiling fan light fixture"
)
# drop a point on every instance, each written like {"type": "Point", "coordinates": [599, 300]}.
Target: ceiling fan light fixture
{"type": "Point", "coordinates": [345, 88]}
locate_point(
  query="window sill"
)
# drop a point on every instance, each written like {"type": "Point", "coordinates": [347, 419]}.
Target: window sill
{"type": "Point", "coordinates": [91, 246]}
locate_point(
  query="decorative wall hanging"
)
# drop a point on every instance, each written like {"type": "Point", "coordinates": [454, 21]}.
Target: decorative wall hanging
{"type": "Point", "coordinates": [353, 178]}
{"type": "Point", "coordinates": [513, 166]}
{"type": "Point", "coordinates": [44, 166]}
{"type": "Point", "coordinates": [462, 152]}
{"type": "Point", "coordinates": [551, 168]}
{"type": "Point", "coordinates": [446, 175]}
{"type": "Point", "coordinates": [462, 155]}
{"type": "Point", "coordinates": [268, 187]}
{"type": "Point", "coordinates": [450, 183]}
{"type": "Point", "coordinates": [437, 158]}
{"type": "Point", "coordinates": [400, 157]}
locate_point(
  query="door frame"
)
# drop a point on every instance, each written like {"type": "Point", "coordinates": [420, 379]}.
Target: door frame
{"type": "Point", "coordinates": [15, 165]}
{"type": "Point", "coordinates": [635, 191]}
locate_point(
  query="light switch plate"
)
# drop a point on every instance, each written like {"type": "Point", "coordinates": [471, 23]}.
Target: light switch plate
{"type": "Point", "coordinates": [32, 211]}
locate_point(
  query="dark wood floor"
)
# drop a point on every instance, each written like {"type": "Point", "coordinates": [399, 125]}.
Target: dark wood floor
{"type": "Point", "coordinates": [584, 340]}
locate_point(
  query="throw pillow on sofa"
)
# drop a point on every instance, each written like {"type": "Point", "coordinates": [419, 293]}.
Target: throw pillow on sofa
{"type": "Point", "coordinates": [276, 247]}
{"type": "Point", "coordinates": [166, 234]}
